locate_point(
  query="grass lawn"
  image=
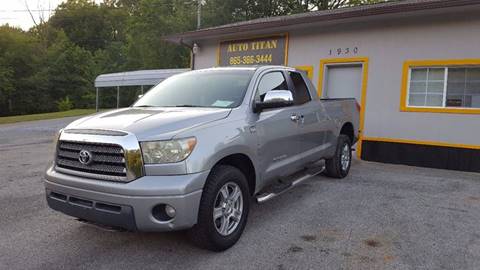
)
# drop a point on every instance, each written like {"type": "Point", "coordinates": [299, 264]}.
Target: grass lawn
{"type": "Point", "coordinates": [43, 116]}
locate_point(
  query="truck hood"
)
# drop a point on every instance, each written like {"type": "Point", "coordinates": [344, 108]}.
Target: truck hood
{"type": "Point", "coordinates": [151, 123]}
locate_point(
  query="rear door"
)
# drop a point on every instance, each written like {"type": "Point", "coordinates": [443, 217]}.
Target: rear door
{"type": "Point", "coordinates": [277, 133]}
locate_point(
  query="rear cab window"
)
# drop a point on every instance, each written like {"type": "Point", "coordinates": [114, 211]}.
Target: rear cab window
{"type": "Point", "coordinates": [301, 93]}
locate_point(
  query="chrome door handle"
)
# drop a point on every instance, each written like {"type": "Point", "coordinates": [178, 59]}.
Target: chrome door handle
{"type": "Point", "coordinates": [294, 117]}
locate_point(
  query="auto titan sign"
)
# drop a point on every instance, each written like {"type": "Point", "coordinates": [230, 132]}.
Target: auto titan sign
{"type": "Point", "coordinates": [269, 50]}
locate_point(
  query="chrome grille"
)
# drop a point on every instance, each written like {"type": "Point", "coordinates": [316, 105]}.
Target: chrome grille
{"type": "Point", "coordinates": [108, 160]}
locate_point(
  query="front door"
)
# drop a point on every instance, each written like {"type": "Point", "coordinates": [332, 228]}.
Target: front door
{"type": "Point", "coordinates": [277, 132]}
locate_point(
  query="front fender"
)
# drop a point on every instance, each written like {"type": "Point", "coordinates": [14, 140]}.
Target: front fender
{"type": "Point", "coordinates": [217, 141]}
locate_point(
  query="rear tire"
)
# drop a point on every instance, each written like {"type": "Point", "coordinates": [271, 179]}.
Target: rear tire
{"type": "Point", "coordinates": [223, 209]}
{"type": "Point", "coordinates": [339, 165]}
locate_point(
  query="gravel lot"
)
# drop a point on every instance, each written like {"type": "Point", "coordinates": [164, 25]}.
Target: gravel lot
{"type": "Point", "coordinates": [380, 217]}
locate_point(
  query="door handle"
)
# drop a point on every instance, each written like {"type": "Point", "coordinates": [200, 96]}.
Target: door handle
{"type": "Point", "coordinates": [295, 117]}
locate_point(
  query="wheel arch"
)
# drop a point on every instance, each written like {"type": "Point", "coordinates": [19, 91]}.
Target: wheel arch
{"type": "Point", "coordinates": [245, 164]}
{"type": "Point", "coordinates": [347, 129]}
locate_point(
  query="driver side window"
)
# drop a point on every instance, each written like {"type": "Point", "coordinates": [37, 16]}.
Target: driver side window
{"type": "Point", "coordinates": [271, 81]}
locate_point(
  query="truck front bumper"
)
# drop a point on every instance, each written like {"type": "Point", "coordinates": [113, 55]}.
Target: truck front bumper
{"type": "Point", "coordinates": [128, 205]}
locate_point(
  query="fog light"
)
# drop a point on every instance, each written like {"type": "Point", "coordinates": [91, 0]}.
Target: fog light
{"type": "Point", "coordinates": [163, 212]}
{"type": "Point", "coordinates": [170, 211]}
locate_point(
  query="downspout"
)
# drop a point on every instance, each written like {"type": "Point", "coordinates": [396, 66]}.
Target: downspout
{"type": "Point", "coordinates": [192, 54]}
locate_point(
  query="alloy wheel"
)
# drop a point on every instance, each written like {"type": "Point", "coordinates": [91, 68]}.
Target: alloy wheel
{"type": "Point", "coordinates": [228, 208]}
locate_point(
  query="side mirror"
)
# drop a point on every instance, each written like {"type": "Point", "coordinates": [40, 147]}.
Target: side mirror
{"type": "Point", "coordinates": [275, 99]}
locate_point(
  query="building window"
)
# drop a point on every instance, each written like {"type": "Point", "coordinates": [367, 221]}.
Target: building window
{"type": "Point", "coordinates": [426, 87]}
{"type": "Point", "coordinates": [463, 87]}
{"type": "Point", "coordinates": [441, 86]}
{"type": "Point", "coordinates": [445, 87]}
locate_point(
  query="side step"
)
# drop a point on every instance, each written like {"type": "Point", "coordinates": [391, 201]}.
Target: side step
{"type": "Point", "coordinates": [283, 187]}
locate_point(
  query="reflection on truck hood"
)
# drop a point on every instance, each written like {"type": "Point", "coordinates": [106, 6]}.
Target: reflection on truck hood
{"type": "Point", "coordinates": [151, 123]}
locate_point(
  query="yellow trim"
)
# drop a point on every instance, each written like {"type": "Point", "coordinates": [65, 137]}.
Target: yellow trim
{"type": "Point", "coordinates": [287, 41]}
{"type": "Point", "coordinates": [432, 63]}
{"type": "Point", "coordinates": [364, 61]}
{"type": "Point", "coordinates": [431, 143]}
{"type": "Point", "coordinates": [218, 54]}
{"type": "Point", "coordinates": [308, 69]}
{"type": "Point", "coordinates": [285, 34]}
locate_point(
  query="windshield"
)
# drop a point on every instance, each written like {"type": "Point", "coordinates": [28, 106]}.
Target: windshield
{"type": "Point", "coordinates": [211, 88]}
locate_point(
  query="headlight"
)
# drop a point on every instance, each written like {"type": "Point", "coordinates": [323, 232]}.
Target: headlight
{"type": "Point", "coordinates": [54, 146]}
{"type": "Point", "coordinates": [55, 140]}
{"type": "Point", "coordinates": [167, 151]}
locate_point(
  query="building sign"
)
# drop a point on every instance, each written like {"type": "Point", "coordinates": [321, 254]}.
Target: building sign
{"type": "Point", "coordinates": [271, 50]}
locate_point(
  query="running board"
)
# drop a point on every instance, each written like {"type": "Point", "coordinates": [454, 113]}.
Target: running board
{"type": "Point", "coordinates": [261, 198]}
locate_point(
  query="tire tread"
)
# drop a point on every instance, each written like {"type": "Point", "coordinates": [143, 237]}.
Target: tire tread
{"type": "Point", "coordinates": [333, 166]}
{"type": "Point", "coordinates": [202, 234]}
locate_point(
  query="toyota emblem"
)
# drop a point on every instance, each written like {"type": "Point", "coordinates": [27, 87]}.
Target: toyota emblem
{"type": "Point", "coordinates": [85, 157]}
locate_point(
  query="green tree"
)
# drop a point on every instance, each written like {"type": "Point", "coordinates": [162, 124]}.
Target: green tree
{"type": "Point", "coordinates": [6, 89]}
{"type": "Point", "coordinates": [217, 12]}
{"type": "Point", "coordinates": [333, 4]}
{"type": "Point", "coordinates": [152, 20]}
{"type": "Point", "coordinates": [69, 71]}
{"type": "Point", "coordinates": [20, 57]}
{"type": "Point", "coordinates": [85, 23]}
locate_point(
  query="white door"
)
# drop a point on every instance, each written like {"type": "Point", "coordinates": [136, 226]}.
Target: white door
{"type": "Point", "coordinates": [344, 81]}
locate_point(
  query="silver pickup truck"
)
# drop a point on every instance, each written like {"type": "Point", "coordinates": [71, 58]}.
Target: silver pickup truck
{"type": "Point", "coordinates": [196, 150]}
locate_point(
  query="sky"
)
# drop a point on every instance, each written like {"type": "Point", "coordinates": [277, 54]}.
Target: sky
{"type": "Point", "coordinates": [14, 12]}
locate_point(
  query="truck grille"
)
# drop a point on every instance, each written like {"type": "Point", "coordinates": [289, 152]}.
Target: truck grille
{"type": "Point", "coordinates": [100, 161]}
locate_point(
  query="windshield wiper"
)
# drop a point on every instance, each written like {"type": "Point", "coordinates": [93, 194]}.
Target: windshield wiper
{"type": "Point", "coordinates": [144, 106]}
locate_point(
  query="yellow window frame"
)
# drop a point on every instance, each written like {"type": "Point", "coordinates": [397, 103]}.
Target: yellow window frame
{"type": "Point", "coordinates": [409, 64]}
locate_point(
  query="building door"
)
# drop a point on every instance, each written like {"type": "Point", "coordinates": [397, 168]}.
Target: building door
{"type": "Point", "coordinates": [346, 78]}
{"type": "Point", "coordinates": [344, 81]}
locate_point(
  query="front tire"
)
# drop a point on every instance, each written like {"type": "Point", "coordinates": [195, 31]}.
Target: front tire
{"type": "Point", "coordinates": [223, 209]}
{"type": "Point", "coordinates": [339, 165]}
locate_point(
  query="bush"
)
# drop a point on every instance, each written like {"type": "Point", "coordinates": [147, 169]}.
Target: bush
{"type": "Point", "coordinates": [64, 104]}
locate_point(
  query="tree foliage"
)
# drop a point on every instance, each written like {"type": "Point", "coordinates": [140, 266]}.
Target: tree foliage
{"type": "Point", "coordinates": [53, 65]}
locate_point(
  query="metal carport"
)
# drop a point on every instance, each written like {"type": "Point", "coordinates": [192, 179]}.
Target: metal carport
{"type": "Point", "coordinates": [133, 78]}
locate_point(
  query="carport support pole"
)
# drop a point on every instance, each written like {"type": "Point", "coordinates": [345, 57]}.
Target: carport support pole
{"type": "Point", "coordinates": [141, 87]}
{"type": "Point", "coordinates": [96, 99]}
{"type": "Point", "coordinates": [118, 97]}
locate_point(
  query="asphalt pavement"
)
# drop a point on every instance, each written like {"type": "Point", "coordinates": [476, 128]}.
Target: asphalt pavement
{"type": "Point", "coordinates": [380, 217]}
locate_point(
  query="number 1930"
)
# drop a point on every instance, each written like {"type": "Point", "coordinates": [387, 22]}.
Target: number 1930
{"type": "Point", "coordinates": [343, 51]}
